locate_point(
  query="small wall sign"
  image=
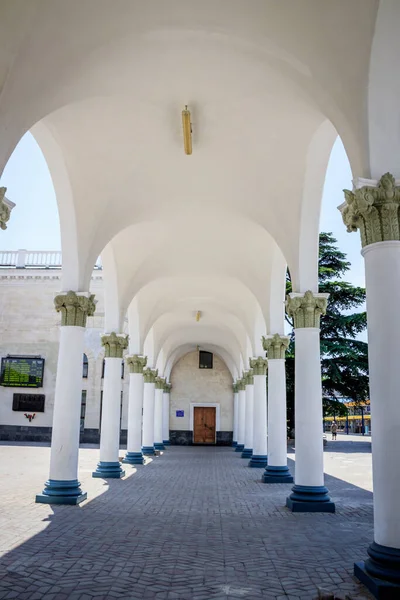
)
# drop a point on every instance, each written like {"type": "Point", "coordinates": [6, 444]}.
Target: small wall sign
{"type": "Point", "coordinates": [180, 413]}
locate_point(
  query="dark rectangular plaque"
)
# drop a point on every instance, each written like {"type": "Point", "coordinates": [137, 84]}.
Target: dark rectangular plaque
{"type": "Point", "coordinates": [180, 413]}
{"type": "Point", "coordinates": [28, 402]}
{"type": "Point", "coordinates": [22, 371]}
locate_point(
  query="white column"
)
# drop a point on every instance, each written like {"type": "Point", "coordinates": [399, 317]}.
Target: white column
{"type": "Point", "coordinates": [63, 486]}
{"type": "Point", "coordinates": [241, 415]}
{"type": "Point", "coordinates": [373, 207]}
{"type": "Point", "coordinates": [235, 414]}
{"type": "Point", "coordinates": [277, 470]}
{"type": "Point", "coordinates": [109, 466]}
{"type": "Point", "coordinates": [167, 389]}
{"type": "Point", "coordinates": [249, 416]}
{"type": "Point", "coordinates": [259, 458]}
{"type": "Point", "coordinates": [149, 376]}
{"type": "Point", "coordinates": [158, 413]}
{"type": "Point", "coordinates": [136, 365]}
{"type": "Point", "coordinates": [309, 493]}
{"type": "Point", "coordinates": [382, 271]}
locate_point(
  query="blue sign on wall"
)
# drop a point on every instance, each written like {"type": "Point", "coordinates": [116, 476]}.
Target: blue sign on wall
{"type": "Point", "coordinates": [180, 413]}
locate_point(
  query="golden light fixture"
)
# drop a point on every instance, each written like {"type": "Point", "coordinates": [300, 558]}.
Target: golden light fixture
{"type": "Point", "coordinates": [187, 130]}
{"type": "Point", "coordinates": [198, 315]}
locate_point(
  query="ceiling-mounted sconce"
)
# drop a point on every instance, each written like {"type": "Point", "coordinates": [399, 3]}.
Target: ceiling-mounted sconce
{"type": "Point", "coordinates": [198, 315]}
{"type": "Point", "coordinates": [187, 130]}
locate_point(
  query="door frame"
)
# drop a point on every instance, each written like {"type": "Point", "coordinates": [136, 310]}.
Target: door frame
{"type": "Point", "coordinates": [215, 405]}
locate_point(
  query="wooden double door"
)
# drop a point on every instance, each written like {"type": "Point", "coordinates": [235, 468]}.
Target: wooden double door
{"type": "Point", "coordinates": [204, 425]}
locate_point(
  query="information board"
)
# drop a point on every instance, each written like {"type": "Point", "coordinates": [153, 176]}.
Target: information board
{"type": "Point", "coordinates": [28, 402]}
{"type": "Point", "coordinates": [22, 371]}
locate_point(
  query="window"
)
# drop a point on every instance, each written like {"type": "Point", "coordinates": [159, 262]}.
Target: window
{"type": "Point", "coordinates": [102, 368]}
{"type": "Point", "coordinates": [122, 369]}
{"type": "Point", "coordinates": [101, 408]}
{"type": "Point", "coordinates": [83, 410]}
{"type": "Point", "coordinates": [85, 366]}
{"type": "Point", "coordinates": [205, 360]}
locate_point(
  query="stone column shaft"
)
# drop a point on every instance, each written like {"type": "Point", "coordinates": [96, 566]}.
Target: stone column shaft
{"type": "Point", "coordinates": [373, 208]}
{"type": "Point", "coordinates": [241, 415]}
{"type": "Point", "coordinates": [249, 416]}
{"type": "Point", "coordinates": [109, 465]}
{"type": "Point", "coordinates": [148, 411]}
{"type": "Point", "coordinates": [63, 486]}
{"type": "Point", "coordinates": [166, 400]}
{"type": "Point", "coordinates": [158, 413]}
{"type": "Point", "coordinates": [259, 458]}
{"type": "Point", "coordinates": [277, 470]}
{"type": "Point", "coordinates": [309, 493]}
{"type": "Point", "coordinates": [235, 414]}
{"type": "Point", "coordinates": [136, 364]}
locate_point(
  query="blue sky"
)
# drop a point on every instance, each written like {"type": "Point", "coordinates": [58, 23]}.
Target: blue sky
{"type": "Point", "coordinates": [34, 222]}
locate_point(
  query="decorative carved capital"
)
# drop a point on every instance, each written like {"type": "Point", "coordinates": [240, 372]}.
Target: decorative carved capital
{"type": "Point", "coordinates": [259, 366]}
{"type": "Point", "coordinates": [241, 385]}
{"type": "Point", "coordinates": [167, 387]}
{"type": "Point", "coordinates": [250, 377]}
{"type": "Point", "coordinates": [235, 387]}
{"type": "Point", "coordinates": [74, 308]}
{"type": "Point", "coordinates": [306, 309]}
{"type": "Point", "coordinates": [160, 382]}
{"type": "Point", "coordinates": [374, 210]}
{"type": "Point", "coordinates": [136, 363]}
{"type": "Point", "coordinates": [149, 375]}
{"type": "Point", "coordinates": [5, 208]}
{"type": "Point", "coordinates": [275, 345]}
{"type": "Point", "coordinates": [114, 345]}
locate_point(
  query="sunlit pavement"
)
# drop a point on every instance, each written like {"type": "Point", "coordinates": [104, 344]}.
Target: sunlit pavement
{"type": "Point", "coordinates": [193, 523]}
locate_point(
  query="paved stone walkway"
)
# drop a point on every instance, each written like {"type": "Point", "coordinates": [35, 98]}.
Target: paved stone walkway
{"type": "Point", "coordinates": [195, 523]}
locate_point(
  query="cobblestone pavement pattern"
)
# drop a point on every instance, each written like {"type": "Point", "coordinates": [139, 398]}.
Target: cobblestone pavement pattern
{"type": "Point", "coordinates": [195, 523]}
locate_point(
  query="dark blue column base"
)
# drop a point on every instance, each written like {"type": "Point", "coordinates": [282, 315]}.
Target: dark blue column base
{"type": "Point", "coordinates": [380, 573]}
{"type": "Point", "coordinates": [258, 462]}
{"type": "Point", "coordinates": [148, 450]}
{"type": "Point", "coordinates": [166, 442]}
{"type": "Point", "coordinates": [306, 498]}
{"type": "Point", "coordinates": [234, 444]}
{"type": "Point", "coordinates": [133, 458]}
{"type": "Point", "coordinates": [61, 492]}
{"type": "Point", "coordinates": [239, 448]}
{"type": "Point", "coordinates": [108, 470]}
{"type": "Point", "coordinates": [274, 474]}
{"type": "Point", "coordinates": [159, 446]}
{"type": "Point", "coordinates": [247, 453]}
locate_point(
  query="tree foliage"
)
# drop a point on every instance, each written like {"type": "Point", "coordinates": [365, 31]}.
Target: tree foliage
{"type": "Point", "coordinates": [344, 357]}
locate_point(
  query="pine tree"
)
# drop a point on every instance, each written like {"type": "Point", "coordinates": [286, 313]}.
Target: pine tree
{"type": "Point", "coordinates": [344, 358]}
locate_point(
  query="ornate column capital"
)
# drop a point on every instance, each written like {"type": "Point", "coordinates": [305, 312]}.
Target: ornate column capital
{"type": "Point", "coordinates": [241, 385]}
{"type": "Point", "coordinates": [373, 208]}
{"type": "Point", "coordinates": [167, 387]}
{"type": "Point", "coordinates": [150, 375]}
{"type": "Point", "coordinates": [5, 208]}
{"type": "Point", "coordinates": [136, 363]}
{"type": "Point", "coordinates": [114, 344]}
{"type": "Point", "coordinates": [259, 366]}
{"type": "Point", "coordinates": [248, 376]}
{"type": "Point", "coordinates": [275, 345]}
{"type": "Point", "coordinates": [306, 309]}
{"type": "Point", "coordinates": [75, 308]}
{"type": "Point", "coordinates": [160, 383]}
{"type": "Point", "coordinates": [235, 387]}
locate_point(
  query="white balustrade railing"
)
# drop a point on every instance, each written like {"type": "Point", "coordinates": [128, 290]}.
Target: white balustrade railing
{"type": "Point", "coordinates": [38, 259]}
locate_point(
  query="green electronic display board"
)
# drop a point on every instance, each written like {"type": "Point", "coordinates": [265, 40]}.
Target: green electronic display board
{"type": "Point", "coordinates": [22, 371]}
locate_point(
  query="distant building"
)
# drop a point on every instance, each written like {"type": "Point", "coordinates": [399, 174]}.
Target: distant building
{"type": "Point", "coordinates": [358, 418]}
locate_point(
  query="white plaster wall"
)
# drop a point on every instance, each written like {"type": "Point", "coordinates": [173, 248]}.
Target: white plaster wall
{"type": "Point", "coordinates": [30, 325]}
{"type": "Point", "coordinates": [191, 384]}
